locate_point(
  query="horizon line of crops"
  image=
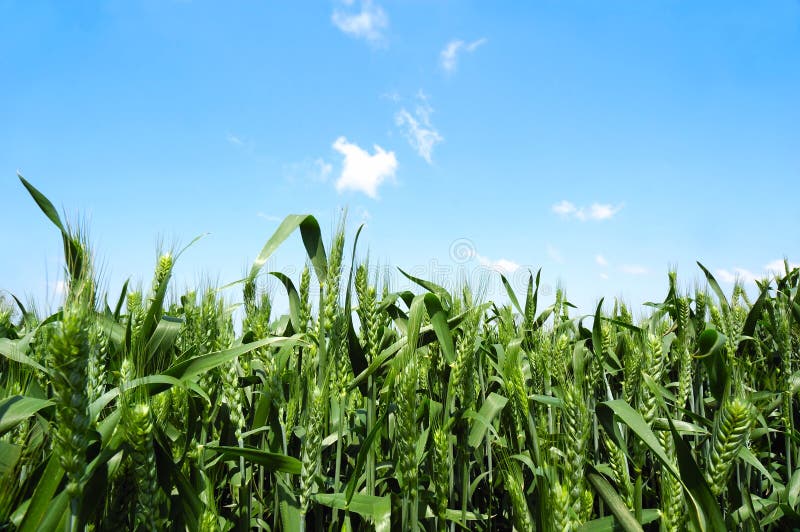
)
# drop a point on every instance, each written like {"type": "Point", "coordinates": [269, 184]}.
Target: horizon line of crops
{"type": "Point", "coordinates": [368, 408]}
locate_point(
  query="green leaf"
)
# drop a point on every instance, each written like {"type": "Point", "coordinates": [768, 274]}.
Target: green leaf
{"type": "Point", "coordinates": [44, 204]}
{"type": "Point", "coordinates": [312, 240]}
{"type": "Point", "coordinates": [55, 516]}
{"type": "Point", "coordinates": [707, 514]}
{"type": "Point", "coordinates": [199, 364]}
{"type": "Point", "coordinates": [793, 489]}
{"type": "Point", "coordinates": [703, 510]}
{"type": "Point", "coordinates": [614, 502]}
{"type": "Point", "coordinates": [9, 455]}
{"type": "Point", "coordinates": [121, 300]}
{"type": "Point", "coordinates": [18, 408]}
{"type": "Point", "coordinates": [511, 296]}
{"type": "Point", "coordinates": [434, 288]}
{"type": "Point", "coordinates": [294, 299]}
{"type": "Point", "coordinates": [10, 350]}
{"type": "Point", "coordinates": [710, 346]}
{"type": "Point", "coordinates": [492, 406]}
{"type": "Point", "coordinates": [155, 309]}
{"type": "Point", "coordinates": [289, 507]}
{"type": "Point", "coordinates": [438, 318]}
{"type": "Point", "coordinates": [426, 336]}
{"type": "Point", "coordinates": [597, 333]}
{"type": "Point", "coordinates": [363, 451]}
{"type": "Point", "coordinates": [42, 495]}
{"type": "Point", "coordinates": [751, 321]}
{"type": "Point", "coordinates": [164, 336]}
{"type": "Point", "coordinates": [270, 461]}
{"type": "Point", "coordinates": [723, 301]}
{"type": "Point", "coordinates": [358, 360]}
{"type": "Point", "coordinates": [379, 509]}
{"type": "Point", "coordinates": [609, 523]}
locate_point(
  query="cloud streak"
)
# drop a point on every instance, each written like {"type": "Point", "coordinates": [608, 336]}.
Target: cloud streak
{"type": "Point", "coordinates": [316, 171]}
{"type": "Point", "coordinates": [503, 266]}
{"type": "Point", "coordinates": [634, 269]}
{"type": "Point", "coordinates": [418, 129]}
{"type": "Point", "coordinates": [595, 212]}
{"type": "Point", "coordinates": [448, 57]}
{"type": "Point", "coordinates": [368, 23]}
{"type": "Point", "coordinates": [746, 276]}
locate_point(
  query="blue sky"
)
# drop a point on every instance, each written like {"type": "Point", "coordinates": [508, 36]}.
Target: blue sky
{"type": "Point", "coordinates": [604, 142]}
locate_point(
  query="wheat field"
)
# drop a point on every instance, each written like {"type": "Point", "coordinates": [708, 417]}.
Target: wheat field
{"type": "Point", "coordinates": [368, 408]}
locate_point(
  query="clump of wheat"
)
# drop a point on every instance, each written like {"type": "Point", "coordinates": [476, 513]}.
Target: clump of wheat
{"type": "Point", "coordinates": [673, 508]}
{"type": "Point", "coordinates": [312, 443]}
{"type": "Point", "coordinates": [69, 357]}
{"type": "Point", "coordinates": [462, 374]}
{"type": "Point", "coordinates": [734, 421]}
{"type": "Point", "coordinates": [138, 424]}
{"type": "Point", "coordinates": [304, 296]}
{"type": "Point", "coordinates": [441, 473]}
{"type": "Point", "coordinates": [519, 505]}
{"type": "Point", "coordinates": [655, 362]}
{"type": "Point", "coordinates": [577, 427]}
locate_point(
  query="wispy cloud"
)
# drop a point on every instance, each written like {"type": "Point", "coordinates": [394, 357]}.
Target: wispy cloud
{"type": "Point", "coordinates": [746, 276]}
{"type": "Point", "coordinates": [777, 266]}
{"type": "Point", "coordinates": [564, 208]}
{"type": "Point", "coordinates": [314, 171]}
{"type": "Point", "coordinates": [363, 214]}
{"type": "Point", "coordinates": [742, 274]}
{"type": "Point", "coordinates": [503, 266]}
{"type": "Point", "coordinates": [595, 212]}
{"type": "Point", "coordinates": [60, 287]}
{"type": "Point", "coordinates": [554, 254]}
{"type": "Point", "coordinates": [269, 217]}
{"type": "Point", "coordinates": [448, 57]}
{"type": "Point", "coordinates": [634, 269]}
{"type": "Point", "coordinates": [234, 139]}
{"type": "Point", "coordinates": [368, 23]}
{"type": "Point", "coordinates": [601, 260]}
{"type": "Point", "coordinates": [361, 171]}
{"type": "Point", "coordinates": [418, 129]}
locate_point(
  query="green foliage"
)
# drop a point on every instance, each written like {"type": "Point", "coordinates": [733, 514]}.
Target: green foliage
{"type": "Point", "coordinates": [365, 409]}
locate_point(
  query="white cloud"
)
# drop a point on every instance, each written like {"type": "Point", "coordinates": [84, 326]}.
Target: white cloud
{"type": "Point", "coordinates": [60, 287]}
{"type": "Point", "coordinates": [269, 217]}
{"type": "Point", "coordinates": [777, 267]}
{"type": "Point", "coordinates": [368, 23]}
{"type": "Point", "coordinates": [596, 211]}
{"type": "Point", "coordinates": [554, 254]}
{"type": "Point", "coordinates": [601, 211]}
{"type": "Point", "coordinates": [604, 276]}
{"type": "Point", "coordinates": [601, 260]}
{"type": "Point", "coordinates": [503, 266]}
{"type": "Point", "coordinates": [564, 208]}
{"type": "Point", "coordinates": [418, 129]}
{"type": "Point", "coordinates": [234, 139]}
{"type": "Point", "coordinates": [634, 269]}
{"type": "Point", "coordinates": [448, 57]}
{"type": "Point", "coordinates": [743, 275]}
{"type": "Point", "coordinates": [314, 171]}
{"type": "Point", "coordinates": [362, 171]}
{"type": "Point", "coordinates": [363, 214]}
{"type": "Point", "coordinates": [393, 96]}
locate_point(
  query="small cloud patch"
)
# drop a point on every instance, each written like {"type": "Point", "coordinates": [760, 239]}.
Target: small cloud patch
{"type": "Point", "coordinates": [368, 23]}
{"type": "Point", "coordinates": [448, 57]}
{"type": "Point", "coordinates": [362, 171]}
{"type": "Point", "coordinates": [594, 212]}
